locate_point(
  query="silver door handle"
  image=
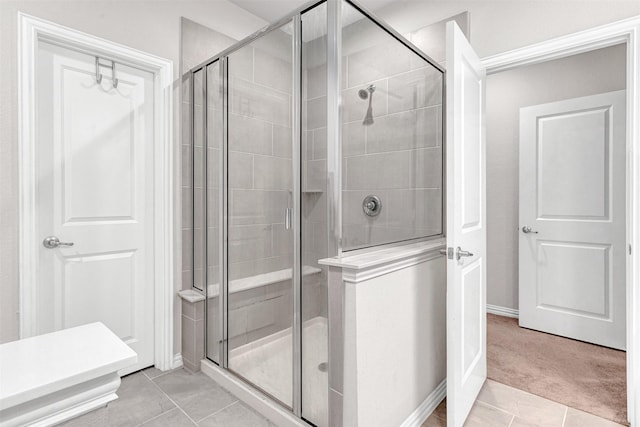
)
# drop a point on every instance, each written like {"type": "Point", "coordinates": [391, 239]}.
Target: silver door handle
{"type": "Point", "coordinates": [287, 218]}
{"type": "Point", "coordinates": [460, 253]}
{"type": "Point", "coordinates": [526, 229]}
{"type": "Point", "coordinates": [52, 242]}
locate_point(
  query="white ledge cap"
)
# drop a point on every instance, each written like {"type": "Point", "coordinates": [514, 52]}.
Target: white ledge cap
{"type": "Point", "coordinates": [373, 257]}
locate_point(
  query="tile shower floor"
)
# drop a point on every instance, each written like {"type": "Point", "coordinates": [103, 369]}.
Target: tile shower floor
{"type": "Point", "coordinates": [178, 398]}
{"type": "Point", "coordinates": [257, 361]}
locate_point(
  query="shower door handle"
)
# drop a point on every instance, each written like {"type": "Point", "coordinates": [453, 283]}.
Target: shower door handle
{"type": "Point", "coordinates": [288, 212]}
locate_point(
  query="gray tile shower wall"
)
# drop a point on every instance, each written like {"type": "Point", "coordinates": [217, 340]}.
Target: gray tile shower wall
{"type": "Point", "coordinates": [398, 157]}
{"type": "Point", "coordinates": [260, 168]}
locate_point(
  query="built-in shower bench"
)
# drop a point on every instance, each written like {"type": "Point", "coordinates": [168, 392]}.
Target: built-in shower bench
{"type": "Point", "coordinates": [51, 378]}
{"type": "Point", "coordinates": [263, 314]}
{"type": "Point", "coordinates": [252, 282]}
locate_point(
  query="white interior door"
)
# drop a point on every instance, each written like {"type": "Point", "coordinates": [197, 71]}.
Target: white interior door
{"type": "Point", "coordinates": [95, 190]}
{"type": "Point", "coordinates": [466, 227]}
{"type": "Point", "coordinates": [572, 198]}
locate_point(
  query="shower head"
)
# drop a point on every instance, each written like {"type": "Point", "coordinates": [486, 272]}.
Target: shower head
{"type": "Point", "coordinates": [364, 94]}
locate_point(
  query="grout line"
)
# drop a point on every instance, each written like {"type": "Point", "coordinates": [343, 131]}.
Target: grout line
{"type": "Point", "coordinates": [253, 64]}
{"type": "Point", "coordinates": [513, 417]}
{"type": "Point", "coordinates": [273, 140]}
{"type": "Point", "coordinates": [174, 402]}
{"type": "Point", "coordinates": [161, 375]}
{"type": "Point", "coordinates": [564, 419]}
{"type": "Point", "coordinates": [221, 409]}
{"type": "Point", "coordinates": [494, 407]}
{"type": "Point", "coordinates": [157, 416]}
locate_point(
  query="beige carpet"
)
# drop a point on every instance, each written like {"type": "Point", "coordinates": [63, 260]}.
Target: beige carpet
{"type": "Point", "coordinates": [574, 373]}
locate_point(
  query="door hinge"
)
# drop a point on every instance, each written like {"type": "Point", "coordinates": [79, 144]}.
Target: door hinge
{"type": "Point", "coordinates": [629, 248]}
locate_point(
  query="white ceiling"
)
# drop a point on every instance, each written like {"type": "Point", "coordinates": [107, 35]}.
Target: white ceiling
{"type": "Point", "coordinates": [272, 10]}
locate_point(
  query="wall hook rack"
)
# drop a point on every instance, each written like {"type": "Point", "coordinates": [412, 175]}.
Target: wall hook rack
{"type": "Point", "coordinates": [113, 72]}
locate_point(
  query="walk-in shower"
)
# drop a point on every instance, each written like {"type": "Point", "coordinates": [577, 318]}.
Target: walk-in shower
{"type": "Point", "coordinates": [287, 153]}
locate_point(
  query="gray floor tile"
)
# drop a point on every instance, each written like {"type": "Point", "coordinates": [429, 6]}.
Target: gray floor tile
{"type": "Point", "coordinates": [523, 405]}
{"type": "Point", "coordinates": [441, 409]}
{"type": "Point", "coordinates": [236, 415]}
{"type": "Point", "coordinates": [195, 393]}
{"type": "Point", "coordinates": [173, 418]}
{"type": "Point", "coordinates": [519, 422]}
{"type": "Point", "coordinates": [153, 372]}
{"type": "Point", "coordinates": [438, 417]}
{"type": "Point", "coordinates": [482, 415]}
{"type": "Point", "coordinates": [138, 401]}
{"type": "Point", "coordinates": [435, 421]}
{"type": "Point", "coordinates": [577, 418]}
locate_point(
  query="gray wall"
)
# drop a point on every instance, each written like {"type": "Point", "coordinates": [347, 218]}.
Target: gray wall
{"type": "Point", "coordinates": [150, 26]}
{"type": "Point", "coordinates": [581, 75]}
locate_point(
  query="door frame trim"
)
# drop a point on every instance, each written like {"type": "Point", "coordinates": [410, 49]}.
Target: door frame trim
{"type": "Point", "coordinates": [31, 31]}
{"type": "Point", "coordinates": [625, 31]}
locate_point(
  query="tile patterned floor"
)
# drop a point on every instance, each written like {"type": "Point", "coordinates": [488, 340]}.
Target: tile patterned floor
{"type": "Point", "coordinates": [499, 405]}
{"type": "Point", "coordinates": [152, 398]}
{"type": "Point", "coordinates": [178, 398]}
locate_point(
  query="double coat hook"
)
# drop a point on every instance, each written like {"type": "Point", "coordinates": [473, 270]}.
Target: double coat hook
{"type": "Point", "coordinates": [113, 72]}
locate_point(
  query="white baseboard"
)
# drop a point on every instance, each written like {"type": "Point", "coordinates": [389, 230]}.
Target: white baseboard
{"type": "Point", "coordinates": [177, 361]}
{"type": "Point", "coordinates": [503, 311]}
{"type": "Point", "coordinates": [426, 408]}
{"type": "Point", "coordinates": [256, 400]}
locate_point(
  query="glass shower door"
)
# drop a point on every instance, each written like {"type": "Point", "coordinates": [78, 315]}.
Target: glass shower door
{"type": "Point", "coordinates": [260, 214]}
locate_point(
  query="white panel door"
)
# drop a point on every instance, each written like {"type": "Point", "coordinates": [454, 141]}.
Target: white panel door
{"type": "Point", "coordinates": [572, 218]}
{"type": "Point", "coordinates": [466, 227]}
{"type": "Point", "coordinates": [95, 190]}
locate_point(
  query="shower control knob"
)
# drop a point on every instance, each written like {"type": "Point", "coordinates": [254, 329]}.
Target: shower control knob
{"type": "Point", "coordinates": [52, 242]}
{"type": "Point", "coordinates": [372, 205]}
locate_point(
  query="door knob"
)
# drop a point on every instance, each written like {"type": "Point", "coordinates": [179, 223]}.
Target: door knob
{"type": "Point", "coordinates": [460, 253]}
{"type": "Point", "coordinates": [52, 242]}
{"type": "Point", "coordinates": [526, 229]}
